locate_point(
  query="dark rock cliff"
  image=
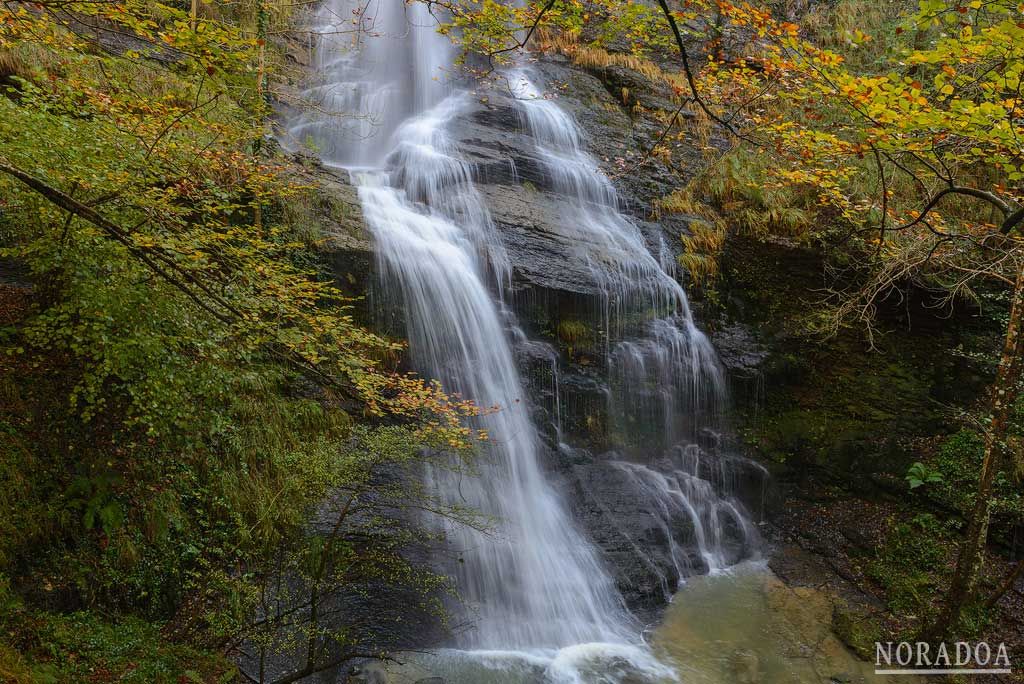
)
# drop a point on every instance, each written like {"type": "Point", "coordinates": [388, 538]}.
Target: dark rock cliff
{"type": "Point", "coordinates": [559, 308]}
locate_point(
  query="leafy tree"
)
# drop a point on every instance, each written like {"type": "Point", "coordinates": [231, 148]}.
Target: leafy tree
{"type": "Point", "coordinates": [180, 388]}
{"type": "Point", "coordinates": [944, 124]}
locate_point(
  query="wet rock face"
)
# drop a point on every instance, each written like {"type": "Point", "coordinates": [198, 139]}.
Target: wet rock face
{"type": "Point", "coordinates": [535, 246]}
{"type": "Point", "coordinates": [620, 138]}
{"type": "Point", "coordinates": [630, 535]}
{"type": "Point", "coordinates": [535, 224]}
{"type": "Point", "coordinates": [331, 210]}
{"type": "Point", "coordinates": [648, 539]}
{"type": "Point", "coordinates": [657, 524]}
{"type": "Point", "coordinates": [744, 358]}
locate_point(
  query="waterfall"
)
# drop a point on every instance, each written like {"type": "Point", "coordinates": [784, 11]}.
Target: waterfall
{"type": "Point", "coordinates": [381, 109]}
{"type": "Point", "coordinates": [663, 370]}
{"type": "Point", "coordinates": [670, 353]}
{"type": "Point", "coordinates": [537, 583]}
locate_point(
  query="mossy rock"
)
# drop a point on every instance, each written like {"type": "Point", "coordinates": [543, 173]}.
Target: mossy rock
{"type": "Point", "coordinates": [855, 627]}
{"type": "Point", "coordinates": [573, 332]}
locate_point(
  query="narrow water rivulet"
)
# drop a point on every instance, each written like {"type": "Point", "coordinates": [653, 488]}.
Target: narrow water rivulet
{"type": "Point", "coordinates": [539, 598]}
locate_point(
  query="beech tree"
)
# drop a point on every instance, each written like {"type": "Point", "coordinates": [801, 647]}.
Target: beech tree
{"type": "Point", "coordinates": [182, 382]}
{"type": "Point", "coordinates": [938, 139]}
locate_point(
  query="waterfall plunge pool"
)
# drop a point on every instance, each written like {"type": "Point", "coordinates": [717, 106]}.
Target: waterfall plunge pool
{"type": "Point", "coordinates": [742, 625]}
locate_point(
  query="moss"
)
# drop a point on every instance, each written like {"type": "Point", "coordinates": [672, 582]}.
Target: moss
{"type": "Point", "coordinates": [39, 647]}
{"type": "Point", "coordinates": [572, 332]}
{"type": "Point", "coordinates": [910, 566]}
{"type": "Point", "coordinates": [843, 412]}
{"type": "Point", "coordinates": [83, 647]}
{"type": "Point", "coordinates": [835, 402]}
{"type": "Point", "coordinates": [856, 628]}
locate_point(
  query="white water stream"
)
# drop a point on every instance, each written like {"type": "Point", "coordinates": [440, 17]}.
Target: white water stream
{"type": "Point", "coordinates": [539, 598]}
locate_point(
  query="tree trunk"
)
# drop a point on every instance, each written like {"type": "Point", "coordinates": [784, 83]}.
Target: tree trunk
{"type": "Point", "coordinates": [1007, 585]}
{"type": "Point", "coordinates": [1003, 396]}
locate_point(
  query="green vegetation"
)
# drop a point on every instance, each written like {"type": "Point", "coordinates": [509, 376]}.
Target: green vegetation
{"type": "Point", "coordinates": [909, 565]}
{"type": "Point", "coordinates": [574, 334]}
{"type": "Point", "coordinates": [42, 647]}
{"type": "Point", "coordinates": [957, 461]}
{"type": "Point", "coordinates": [183, 390]}
{"type": "Point", "coordinates": [911, 152]}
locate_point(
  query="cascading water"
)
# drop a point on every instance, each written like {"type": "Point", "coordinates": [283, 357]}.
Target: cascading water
{"type": "Point", "coordinates": [537, 586]}
{"type": "Point", "coordinates": [669, 354]}
{"type": "Point", "coordinates": [666, 388]}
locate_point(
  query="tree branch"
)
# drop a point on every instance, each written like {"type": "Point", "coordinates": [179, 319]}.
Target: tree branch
{"type": "Point", "coordinates": [691, 80]}
{"type": "Point", "coordinates": [1012, 221]}
{"type": "Point", "coordinates": [69, 204]}
{"type": "Point", "coordinates": [1012, 217]}
{"type": "Point", "coordinates": [166, 268]}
